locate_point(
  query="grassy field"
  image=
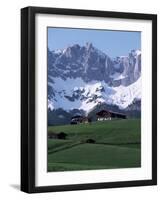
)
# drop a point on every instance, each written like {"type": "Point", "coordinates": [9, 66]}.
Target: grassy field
{"type": "Point", "coordinates": [117, 145]}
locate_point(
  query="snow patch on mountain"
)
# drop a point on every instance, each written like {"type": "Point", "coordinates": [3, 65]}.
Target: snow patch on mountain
{"type": "Point", "coordinates": [50, 105]}
{"type": "Point", "coordinates": [117, 76]}
{"type": "Point", "coordinates": [82, 77]}
{"type": "Point", "coordinates": [77, 94]}
{"type": "Point", "coordinates": [124, 96]}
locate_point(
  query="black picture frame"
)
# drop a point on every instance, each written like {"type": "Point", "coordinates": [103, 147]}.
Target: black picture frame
{"type": "Point", "coordinates": [28, 98]}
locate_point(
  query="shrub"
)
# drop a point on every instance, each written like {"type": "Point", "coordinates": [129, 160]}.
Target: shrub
{"type": "Point", "coordinates": [90, 141]}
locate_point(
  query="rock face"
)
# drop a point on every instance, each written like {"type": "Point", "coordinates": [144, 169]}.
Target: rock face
{"type": "Point", "coordinates": [81, 77]}
{"type": "Point", "coordinates": [89, 63]}
{"type": "Point", "coordinates": [129, 67]}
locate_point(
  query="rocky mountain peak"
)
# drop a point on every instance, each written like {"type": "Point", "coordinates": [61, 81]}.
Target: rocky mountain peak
{"type": "Point", "coordinates": [97, 77]}
{"type": "Point", "coordinates": [89, 46]}
{"type": "Point", "coordinates": [89, 63]}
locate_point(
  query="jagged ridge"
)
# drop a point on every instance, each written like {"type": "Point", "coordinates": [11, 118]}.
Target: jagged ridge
{"type": "Point", "coordinates": [83, 77]}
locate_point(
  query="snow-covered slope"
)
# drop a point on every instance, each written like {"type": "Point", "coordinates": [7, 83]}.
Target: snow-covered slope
{"type": "Point", "coordinates": [84, 77]}
{"type": "Point", "coordinates": [76, 94]}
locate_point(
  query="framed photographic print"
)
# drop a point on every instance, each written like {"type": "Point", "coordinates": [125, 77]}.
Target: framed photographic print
{"type": "Point", "coordinates": [88, 99]}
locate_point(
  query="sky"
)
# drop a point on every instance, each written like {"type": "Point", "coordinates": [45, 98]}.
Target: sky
{"type": "Point", "coordinates": [113, 43]}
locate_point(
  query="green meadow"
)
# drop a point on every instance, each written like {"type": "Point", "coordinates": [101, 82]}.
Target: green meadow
{"type": "Point", "coordinates": [117, 144]}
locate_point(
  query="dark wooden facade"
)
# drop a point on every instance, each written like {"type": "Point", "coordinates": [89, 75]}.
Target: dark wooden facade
{"type": "Point", "coordinates": [79, 119]}
{"type": "Point", "coordinates": [108, 115]}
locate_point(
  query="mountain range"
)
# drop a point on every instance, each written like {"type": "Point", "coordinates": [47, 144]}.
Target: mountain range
{"type": "Point", "coordinates": [83, 78]}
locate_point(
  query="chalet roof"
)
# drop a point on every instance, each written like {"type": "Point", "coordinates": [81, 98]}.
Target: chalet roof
{"type": "Point", "coordinates": [118, 113]}
{"type": "Point", "coordinates": [102, 112]}
{"type": "Point", "coordinates": [106, 112]}
{"type": "Point", "coordinates": [76, 117]}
